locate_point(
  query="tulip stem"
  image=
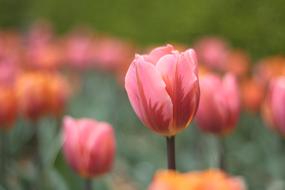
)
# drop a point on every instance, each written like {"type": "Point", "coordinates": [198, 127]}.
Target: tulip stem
{"type": "Point", "coordinates": [37, 155]}
{"type": "Point", "coordinates": [222, 155]}
{"type": "Point", "coordinates": [170, 141]}
{"type": "Point", "coordinates": [88, 184]}
{"type": "Point", "coordinates": [38, 148]}
{"type": "Point", "coordinates": [3, 158]}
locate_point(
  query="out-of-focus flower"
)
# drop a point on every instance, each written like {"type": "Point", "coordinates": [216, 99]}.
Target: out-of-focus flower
{"type": "Point", "coordinates": [111, 53]}
{"type": "Point", "coordinates": [41, 32]}
{"type": "Point", "coordinates": [43, 51]}
{"type": "Point", "coordinates": [212, 52]}
{"type": "Point", "coordinates": [270, 68]}
{"type": "Point", "coordinates": [8, 107]}
{"type": "Point", "coordinates": [89, 146]}
{"type": "Point", "coordinates": [31, 94]}
{"type": "Point", "coordinates": [58, 94]}
{"type": "Point", "coordinates": [10, 57]}
{"type": "Point", "coordinates": [202, 180]}
{"type": "Point", "coordinates": [219, 106]}
{"type": "Point", "coordinates": [79, 49]}
{"type": "Point", "coordinates": [163, 89]}
{"type": "Point", "coordinates": [8, 70]}
{"type": "Point", "coordinates": [252, 94]}
{"type": "Point", "coordinates": [44, 56]}
{"type": "Point", "coordinates": [274, 106]}
{"type": "Point", "coordinates": [238, 63]}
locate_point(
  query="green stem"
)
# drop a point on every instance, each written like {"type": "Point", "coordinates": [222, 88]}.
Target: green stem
{"type": "Point", "coordinates": [3, 158]}
{"type": "Point", "coordinates": [88, 184]}
{"type": "Point", "coordinates": [170, 142]}
{"type": "Point", "coordinates": [222, 155]}
{"type": "Point", "coordinates": [37, 155]}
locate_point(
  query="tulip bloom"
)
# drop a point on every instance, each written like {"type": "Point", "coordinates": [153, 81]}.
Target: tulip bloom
{"type": "Point", "coordinates": [238, 63]}
{"type": "Point", "coordinates": [275, 105]}
{"type": "Point", "coordinates": [219, 107]}
{"type": "Point", "coordinates": [213, 52]}
{"type": "Point", "coordinates": [199, 180]}
{"type": "Point", "coordinates": [31, 93]}
{"type": "Point", "coordinates": [58, 94]}
{"type": "Point", "coordinates": [8, 108]}
{"type": "Point", "coordinates": [252, 94]}
{"type": "Point", "coordinates": [163, 89]}
{"type": "Point", "coordinates": [78, 49]}
{"type": "Point", "coordinates": [89, 146]}
{"type": "Point", "coordinates": [269, 68]}
{"type": "Point", "coordinates": [110, 53]}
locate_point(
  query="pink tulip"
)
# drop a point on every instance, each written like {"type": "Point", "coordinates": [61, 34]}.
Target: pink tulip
{"type": "Point", "coordinates": [89, 146]}
{"type": "Point", "coordinates": [276, 104]}
{"type": "Point", "coordinates": [213, 52]}
{"type": "Point", "coordinates": [163, 89]}
{"type": "Point", "coordinates": [111, 53]}
{"type": "Point", "coordinates": [78, 49]}
{"type": "Point", "coordinates": [219, 107]}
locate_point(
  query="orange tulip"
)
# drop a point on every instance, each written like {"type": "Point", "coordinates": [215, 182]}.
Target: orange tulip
{"type": "Point", "coordinates": [238, 63]}
{"type": "Point", "coordinates": [31, 94]}
{"type": "Point", "coordinates": [8, 107]}
{"type": "Point", "coordinates": [252, 94]}
{"type": "Point", "coordinates": [58, 94]}
{"type": "Point", "coordinates": [203, 180]}
{"type": "Point", "coordinates": [270, 68]}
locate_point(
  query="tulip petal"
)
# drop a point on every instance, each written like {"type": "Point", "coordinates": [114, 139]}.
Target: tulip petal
{"type": "Point", "coordinates": [231, 94]}
{"type": "Point", "coordinates": [278, 102]}
{"type": "Point", "coordinates": [148, 96]}
{"type": "Point", "coordinates": [179, 71]}
{"type": "Point", "coordinates": [102, 159]}
{"type": "Point", "coordinates": [157, 53]}
{"type": "Point", "coordinates": [71, 142]}
{"type": "Point", "coordinates": [212, 113]}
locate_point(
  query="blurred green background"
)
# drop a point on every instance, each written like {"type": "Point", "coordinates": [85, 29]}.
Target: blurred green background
{"type": "Point", "coordinates": [256, 26]}
{"type": "Point", "coordinates": [253, 151]}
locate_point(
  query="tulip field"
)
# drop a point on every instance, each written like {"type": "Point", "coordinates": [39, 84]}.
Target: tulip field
{"type": "Point", "coordinates": [154, 98]}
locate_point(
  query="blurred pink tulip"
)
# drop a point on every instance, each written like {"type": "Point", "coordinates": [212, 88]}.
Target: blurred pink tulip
{"type": "Point", "coordinates": [43, 50]}
{"type": "Point", "coordinates": [79, 49]}
{"type": "Point", "coordinates": [89, 146]}
{"type": "Point", "coordinates": [275, 105]}
{"type": "Point", "coordinates": [8, 70]}
{"type": "Point", "coordinates": [212, 52]}
{"type": "Point", "coordinates": [111, 53]}
{"type": "Point", "coordinates": [219, 106]}
{"type": "Point", "coordinates": [163, 89]}
{"type": "Point", "coordinates": [10, 57]}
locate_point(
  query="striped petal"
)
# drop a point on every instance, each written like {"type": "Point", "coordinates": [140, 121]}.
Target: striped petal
{"type": "Point", "coordinates": [179, 72]}
{"type": "Point", "coordinates": [148, 96]}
